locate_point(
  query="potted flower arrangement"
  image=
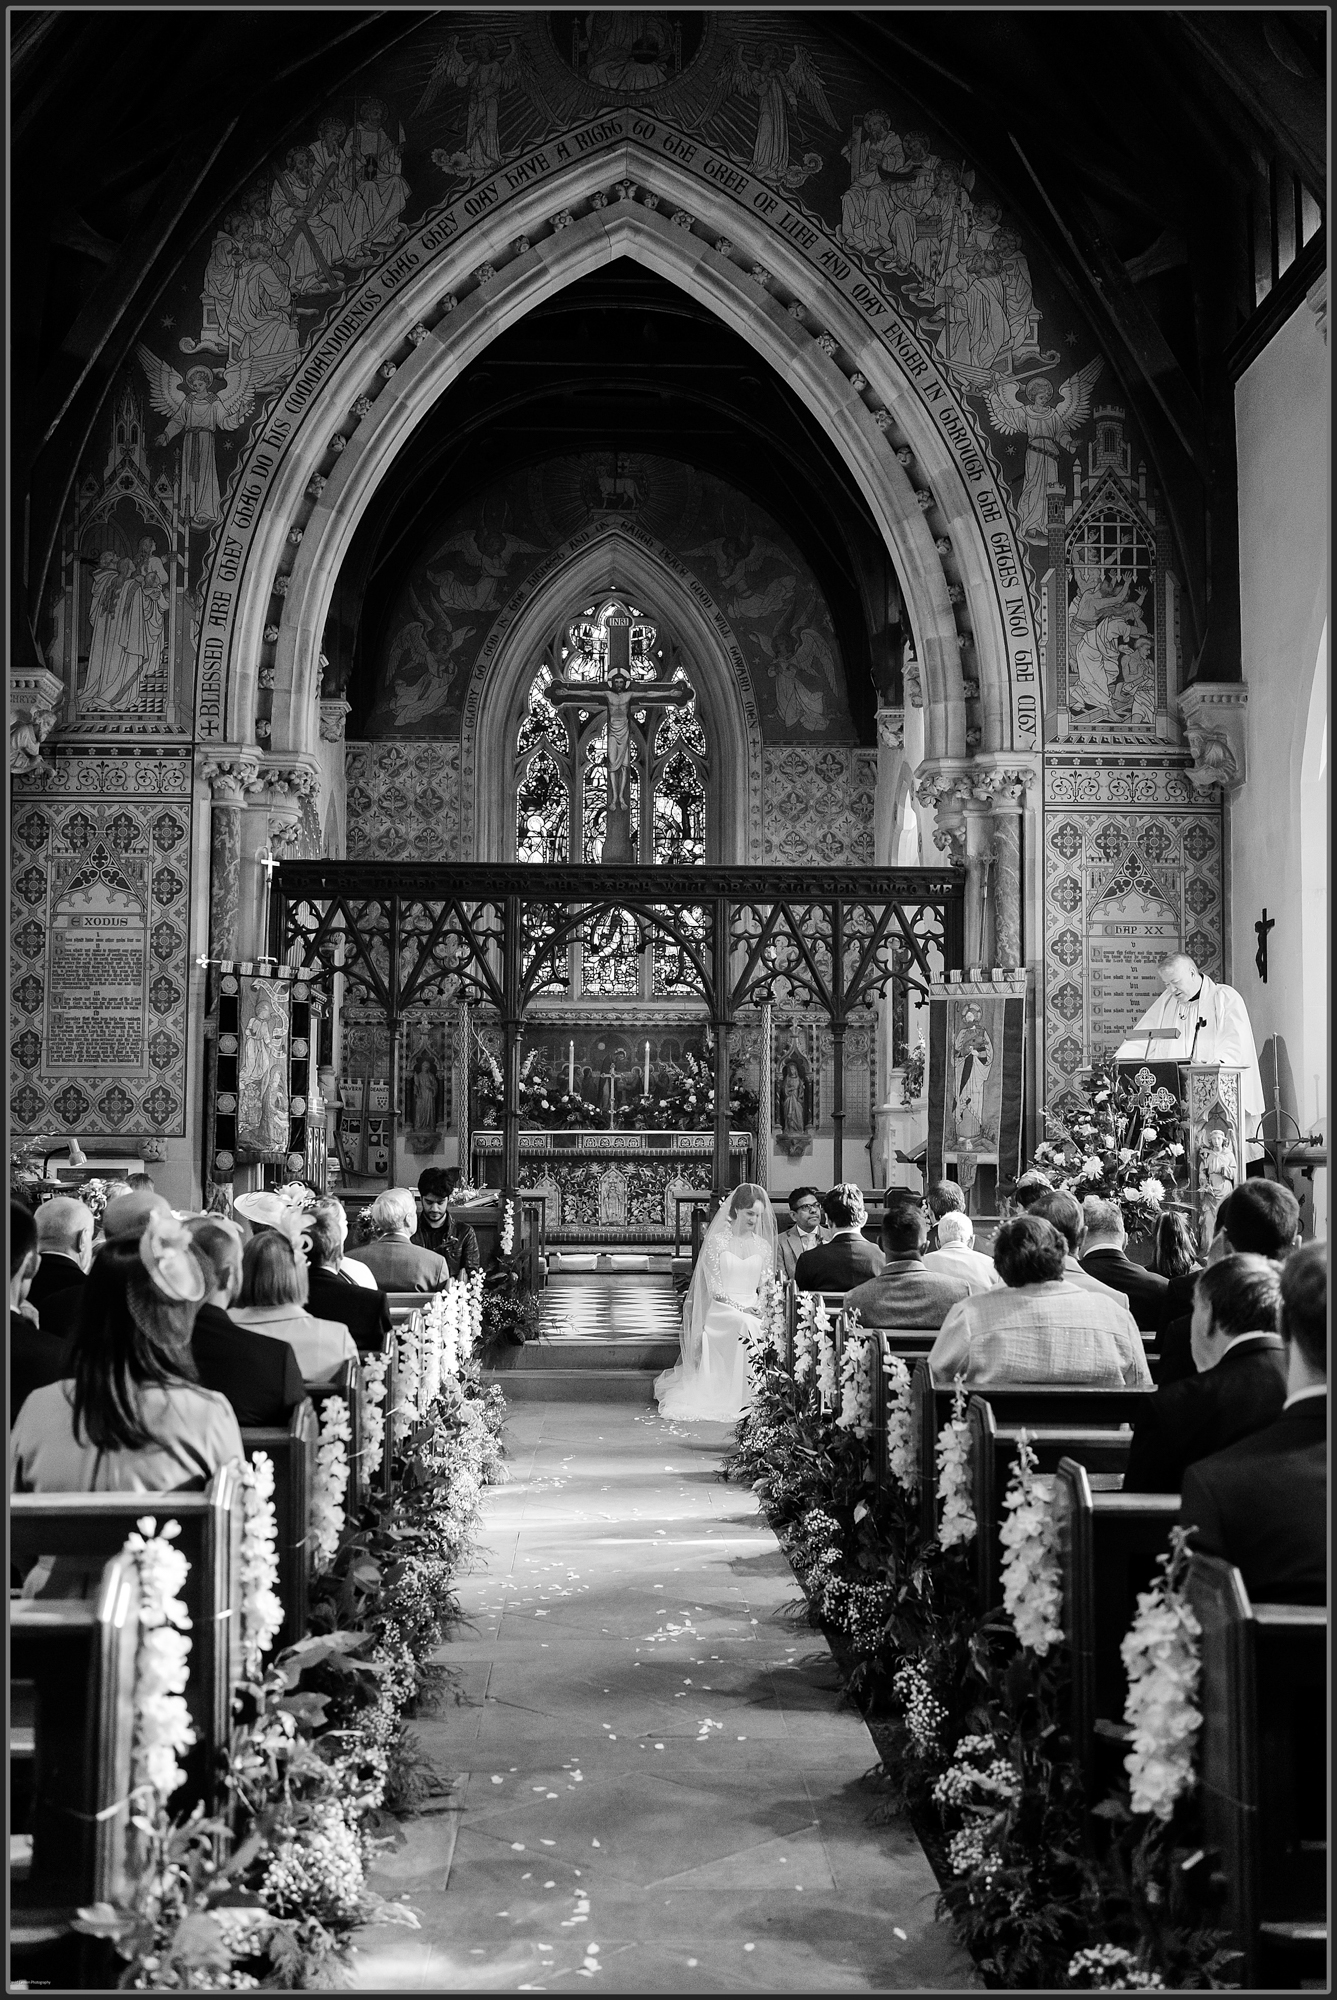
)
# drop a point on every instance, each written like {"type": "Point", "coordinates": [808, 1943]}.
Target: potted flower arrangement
{"type": "Point", "coordinates": [1116, 1146]}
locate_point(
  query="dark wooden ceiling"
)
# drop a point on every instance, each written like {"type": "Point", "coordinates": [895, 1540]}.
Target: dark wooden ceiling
{"type": "Point", "coordinates": [1138, 148]}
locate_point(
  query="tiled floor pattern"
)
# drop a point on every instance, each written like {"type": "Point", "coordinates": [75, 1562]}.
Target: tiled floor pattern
{"type": "Point", "coordinates": [660, 1787]}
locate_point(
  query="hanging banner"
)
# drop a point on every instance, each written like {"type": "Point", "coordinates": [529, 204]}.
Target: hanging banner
{"type": "Point", "coordinates": [264, 1013]}
{"type": "Point", "coordinates": [976, 1084]}
{"type": "Point", "coordinates": [266, 1101]}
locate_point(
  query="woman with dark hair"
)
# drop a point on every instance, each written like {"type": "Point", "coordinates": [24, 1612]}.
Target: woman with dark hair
{"type": "Point", "coordinates": [1174, 1251]}
{"type": "Point", "coordinates": [130, 1417]}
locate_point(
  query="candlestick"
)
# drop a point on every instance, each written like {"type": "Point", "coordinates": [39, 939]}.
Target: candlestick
{"type": "Point", "coordinates": [647, 1069]}
{"type": "Point", "coordinates": [570, 1069]}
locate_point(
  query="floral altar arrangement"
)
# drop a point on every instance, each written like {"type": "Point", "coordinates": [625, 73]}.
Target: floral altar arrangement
{"type": "Point", "coordinates": [1120, 1144]}
{"type": "Point", "coordinates": [1045, 1891]}
{"type": "Point", "coordinates": [274, 1893]}
{"type": "Point", "coordinates": [682, 1099]}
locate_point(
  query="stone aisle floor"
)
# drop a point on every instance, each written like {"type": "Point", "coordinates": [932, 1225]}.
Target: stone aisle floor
{"type": "Point", "coordinates": [660, 1788]}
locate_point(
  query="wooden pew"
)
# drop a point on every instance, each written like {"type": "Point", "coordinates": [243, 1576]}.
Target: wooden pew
{"type": "Point", "coordinates": [72, 1665]}
{"type": "Point", "coordinates": [293, 1452]}
{"type": "Point", "coordinates": [89, 1528]}
{"type": "Point", "coordinates": [1100, 1447]}
{"type": "Point", "coordinates": [1263, 1763]}
{"type": "Point", "coordinates": [1047, 1404]}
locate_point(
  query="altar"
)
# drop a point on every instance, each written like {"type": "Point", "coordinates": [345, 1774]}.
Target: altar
{"type": "Point", "coordinates": [611, 1186]}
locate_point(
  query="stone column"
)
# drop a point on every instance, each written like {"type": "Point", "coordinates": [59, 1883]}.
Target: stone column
{"type": "Point", "coordinates": [764, 1092]}
{"type": "Point", "coordinates": [230, 780]}
{"type": "Point", "coordinates": [979, 855]}
{"type": "Point", "coordinates": [1009, 794]}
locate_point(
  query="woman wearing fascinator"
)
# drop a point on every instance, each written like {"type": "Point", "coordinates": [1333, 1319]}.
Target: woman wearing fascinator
{"type": "Point", "coordinates": [722, 1303]}
{"type": "Point", "coordinates": [130, 1416]}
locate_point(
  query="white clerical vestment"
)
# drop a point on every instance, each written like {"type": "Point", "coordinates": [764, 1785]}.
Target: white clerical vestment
{"type": "Point", "coordinates": [1225, 1037]}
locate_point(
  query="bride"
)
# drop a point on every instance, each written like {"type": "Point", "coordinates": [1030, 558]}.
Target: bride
{"type": "Point", "coordinates": [711, 1378]}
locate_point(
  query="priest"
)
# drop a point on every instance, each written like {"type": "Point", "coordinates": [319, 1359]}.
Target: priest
{"type": "Point", "coordinates": [1208, 1024]}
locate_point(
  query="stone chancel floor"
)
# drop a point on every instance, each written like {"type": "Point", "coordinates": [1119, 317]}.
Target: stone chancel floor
{"type": "Point", "coordinates": [658, 1784]}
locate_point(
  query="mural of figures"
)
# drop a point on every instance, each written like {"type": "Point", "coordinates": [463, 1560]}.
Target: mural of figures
{"type": "Point", "coordinates": [1049, 427]}
{"type": "Point", "coordinates": [128, 605]}
{"type": "Point", "coordinates": [631, 51]}
{"type": "Point", "coordinates": [487, 75]}
{"type": "Point", "coordinates": [782, 91]}
{"type": "Point", "coordinates": [195, 409]}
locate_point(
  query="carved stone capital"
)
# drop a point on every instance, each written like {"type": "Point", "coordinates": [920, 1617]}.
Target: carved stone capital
{"type": "Point", "coordinates": [1213, 713]}
{"type": "Point", "coordinates": [35, 694]}
{"type": "Point", "coordinates": [891, 727]}
{"type": "Point", "coordinates": [292, 778]}
{"type": "Point", "coordinates": [334, 714]}
{"type": "Point", "coordinates": [232, 777]}
{"type": "Point", "coordinates": [914, 687]}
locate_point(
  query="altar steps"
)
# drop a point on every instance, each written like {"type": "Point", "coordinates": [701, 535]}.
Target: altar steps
{"type": "Point", "coordinates": [603, 1338]}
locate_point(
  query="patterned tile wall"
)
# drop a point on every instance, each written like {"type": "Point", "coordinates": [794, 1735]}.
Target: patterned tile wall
{"type": "Point", "coordinates": [818, 806]}
{"type": "Point", "coordinates": [403, 801]}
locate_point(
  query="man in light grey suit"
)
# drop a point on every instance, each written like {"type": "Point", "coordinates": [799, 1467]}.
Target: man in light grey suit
{"type": "Point", "coordinates": [808, 1230]}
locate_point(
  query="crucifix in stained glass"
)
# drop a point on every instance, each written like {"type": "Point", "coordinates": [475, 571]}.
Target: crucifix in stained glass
{"type": "Point", "coordinates": [618, 693]}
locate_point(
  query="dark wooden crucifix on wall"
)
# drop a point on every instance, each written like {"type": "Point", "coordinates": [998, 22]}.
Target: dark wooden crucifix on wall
{"type": "Point", "coordinates": [1260, 931]}
{"type": "Point", "coordinates": [618, 695]}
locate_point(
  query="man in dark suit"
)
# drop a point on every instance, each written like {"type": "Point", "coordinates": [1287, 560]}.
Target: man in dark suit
{"type": "Point", "coordinates": [65, 1230]}
{"type": "Point", "coordinates": [366, 1314]}
{"type": "Point", "coordinates": [1259, 1219]}
{"type": "Point", "coordinates": [1262, 1503]}
{"type": "Point", "coordinates": [259, 1374]}
{"type": "Point", "coordinates": [905, 1291]}
{"type": "Point", "coordinates": [1239, 1386]}
{"type": "Point", "coordinates": [847, 1259]}
{"type": "Point", "coordinates": [1103, 1257]}
{"type": "Point", "coordinates": [35, 1358]}
{"type": "Point", "coordinates": [436, 1229]}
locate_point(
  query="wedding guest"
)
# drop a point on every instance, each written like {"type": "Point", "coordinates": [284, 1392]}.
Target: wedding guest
{"type": "Point", "coordinates": [1258, 1219]}
{"type": "Point", "coordinates": [437, 1230]}
{"type": "Point", "coordinates": [348, 1267]}
{"type": "Point", "coordinates": [806, 1231]}
{"type": "Point", "coordinates": [905, 1291]}
{"type": "Point", "coordinates": [259, 1375]}
{"type": "Point", "coordinates": [274, 1290]}
{"type": "Point", "coordinates": [35, 1356]}
{"type": "Point", "coordinates": [397, 1263]}
{"type": "Point", "coordinates": [332, 1295]}
{"type": "Point", "coordinates": [956, 1254]}
{"type": "Point", "coordinates": [1262, 1503]}
{"type": "Point", "coordinates": [943, 1198]}
{"type": "Point", "coordinates": [65, 1231]}
{"type": "Point", "coordinates": [129, 1417]}
{"type": "Point", "coordinates": [1173, 1250]}
{"type": "Point", "coordinates": [1239, 1387]}
{"type": "Point", "coordinates": [1104, 1257]}
{"type": "Point", "coordinates": [1064, 1211]}
{"type": "Point", "coordinates": [846, 1258]}
{"type": "Point", "coordinates": [1035, 1327]}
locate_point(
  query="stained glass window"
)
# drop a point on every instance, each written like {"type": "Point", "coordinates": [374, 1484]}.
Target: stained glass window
{"type": "Point", "coordinates": [561, 780]}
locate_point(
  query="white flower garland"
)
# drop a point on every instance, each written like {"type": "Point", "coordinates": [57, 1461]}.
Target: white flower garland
{"type": "Point", "coordinates": [163, 1729]}
{"type": "Point", "coordinates": [1161, 1656]}
{"type": "Point", "coordinates": [772, 1295]}
{"type": "Point", "coordinates": [330, 1481]}
{"type": "Point", "coordinates": [261, 1609]}
{"type": "Point", "coordinates": [1108, 1968]}
{"type": "Point", "coordinates": [979, 1783]}
{"type": "Point", "coordinates": [825, 1339]}
{"type": "Point", "coordinates": [902, 1444]}
{"type": "Point", "coordinates": [410, 1358]}
{"type": "Point", "coordinates": [506, 1241]}
{"type": "Point", "coordinates": [475, 1283]}
{"type": "Point", "coordinates": [924, 1713]}
{"type": "Point", "coordinates": [429, 1353]}
{"type": "Point", "coordinates": [1032, 1576]}
{"type": "Point", "coordinates": [805, 1336]}
{"type": "Point", "coordinates": [856, 1378]}
{"type": "Point", "coordinates": [958, 1516]}
{"type": "Point", "coordinates": [375, 1369]}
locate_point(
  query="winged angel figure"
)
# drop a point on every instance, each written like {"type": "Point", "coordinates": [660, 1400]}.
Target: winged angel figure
{"type": "Point", "coordinates": [195, 409]}
{"type": "Point", "coordinates": [487, 76]}
{"type": "Point", "coordinates": [778, 91]}
{"type": "Point", "coordinates": [1049, 428]}
{"type": "Point", "coordinates": [489, 549]}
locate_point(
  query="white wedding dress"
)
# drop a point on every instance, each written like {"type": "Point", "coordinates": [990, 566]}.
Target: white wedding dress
{"type": "Point", "coordinates": [714, 1384]}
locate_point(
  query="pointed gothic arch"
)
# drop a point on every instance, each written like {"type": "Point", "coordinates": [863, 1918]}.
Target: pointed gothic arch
{"type": "Point", "coordinates": [293, 486]}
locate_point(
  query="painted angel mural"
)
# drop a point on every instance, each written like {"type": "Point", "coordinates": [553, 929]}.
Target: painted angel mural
{"type": "Point", "coordinates": [1049, 428]}
{"type": "Point", "coordinates": [782, 91]}
{"type": "Point", "coordinates": [489, 549]}
{"type": "Point", "coordinates": [418, 672]}
{"type": "Point", "coordinates": [487, 75]}
{"type": "Point", "coordinates": [195, 410]}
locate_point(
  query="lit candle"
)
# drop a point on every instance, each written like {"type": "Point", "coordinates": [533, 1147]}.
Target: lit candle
{"type": "Point", "coordinates": [571, 1068]}
{"type": "Point", "coordinates": [647, 1069]}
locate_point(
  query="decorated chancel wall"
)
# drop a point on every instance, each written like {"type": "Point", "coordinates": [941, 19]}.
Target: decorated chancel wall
{"type": "Point", "coordinates": [477, 167]}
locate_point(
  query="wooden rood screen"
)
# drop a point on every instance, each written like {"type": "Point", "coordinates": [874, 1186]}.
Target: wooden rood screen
{"type": "Point", "coordinates": [497, 936]}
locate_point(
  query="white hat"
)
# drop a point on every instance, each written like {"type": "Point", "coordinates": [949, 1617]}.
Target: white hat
{"type": "Point", "coordinates": [262, 1208]}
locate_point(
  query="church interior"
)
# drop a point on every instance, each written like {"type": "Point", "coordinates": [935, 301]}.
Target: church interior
{"type": "Point", "coordinates": [639, 641]}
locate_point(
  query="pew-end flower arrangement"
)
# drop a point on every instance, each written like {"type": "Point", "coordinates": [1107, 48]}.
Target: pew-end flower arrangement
{"type": "Point", "coordinates": [1118, 1144]}
{"type": "Point", "coordinates": [322, 1754]}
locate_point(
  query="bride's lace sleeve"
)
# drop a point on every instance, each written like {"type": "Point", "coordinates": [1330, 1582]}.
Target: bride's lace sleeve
{"type": "Point", "coordinates": [712, 1253]}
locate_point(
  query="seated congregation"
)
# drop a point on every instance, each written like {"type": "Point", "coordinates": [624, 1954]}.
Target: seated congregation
{"type": "Point", "coordinates": [199, 1466]}
{"type": "Point", "coordinates": [1064, 1516]}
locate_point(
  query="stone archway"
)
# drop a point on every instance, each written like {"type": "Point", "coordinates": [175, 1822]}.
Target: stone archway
{"type": "Point", "coordinates": [611, 560]}
{"type": "Point", "coordinates": [295, 492]}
